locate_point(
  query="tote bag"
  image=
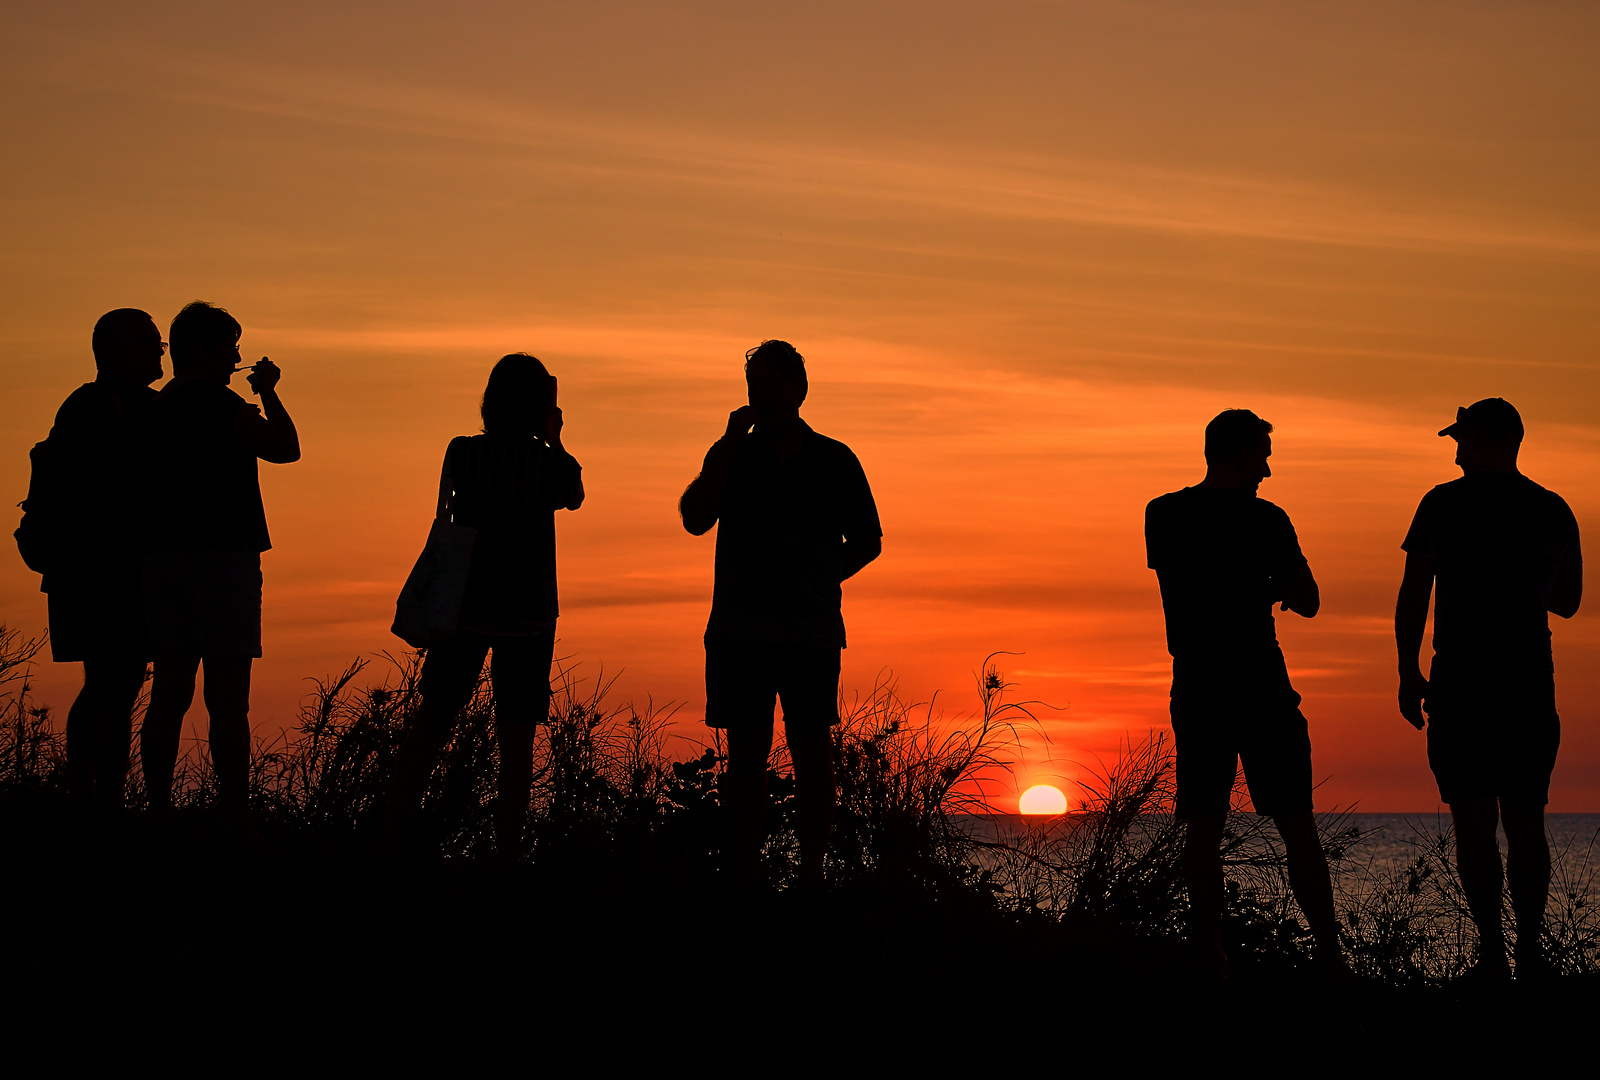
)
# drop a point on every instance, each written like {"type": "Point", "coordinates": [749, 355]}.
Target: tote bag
{"type": "Point", "coordinates": [429, 608]}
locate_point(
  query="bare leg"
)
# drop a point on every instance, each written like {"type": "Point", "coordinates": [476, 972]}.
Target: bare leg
{"type": "Point", "coordinates": [515, 739]}
{"type": "Point", "coordinates": [744, 785]}
{"type": "Point", "coordinates": [1202, 871]}
{"type": "Point", "coordinates": [811, 750]}
{"type": "Point", "coordinates": [171, 694]}
{"type": "Point", "coordinates": [1312, 885]}
{"type": "Point", "coordinates": [227, 693]}
{"type": "Point", "coordinates": [520, 672]}
{"type": "Point", "coordinates": [424, 739]}
{"type": "Point", "coordinates": [111, 776]}
{"type": "Point", "coordinates": [1528, 874]}
{"type": "Point", "coordinates": [98, 732]}
{"type": "Point", "coordinates": [1478, 860]}
{"type": "Point", "coordinates": [449, 674]}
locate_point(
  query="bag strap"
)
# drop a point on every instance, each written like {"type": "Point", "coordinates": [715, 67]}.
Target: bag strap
{"type": "Point", "coordinates": [445, 478]}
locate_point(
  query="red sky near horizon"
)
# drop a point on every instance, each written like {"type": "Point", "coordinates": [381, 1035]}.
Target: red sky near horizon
{"type": "Point", "coordinates": [1027, 250]}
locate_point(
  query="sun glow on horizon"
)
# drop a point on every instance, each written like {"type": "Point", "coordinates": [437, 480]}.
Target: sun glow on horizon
{"type": "Point", "coordinates": [1042, 799]}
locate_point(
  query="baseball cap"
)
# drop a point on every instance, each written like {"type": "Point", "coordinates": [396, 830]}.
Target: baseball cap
{"type": "Point", "coordinates": [1492, 416]}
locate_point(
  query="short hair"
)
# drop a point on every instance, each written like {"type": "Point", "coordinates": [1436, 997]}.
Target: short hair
{"type": "Point", "coordinates": [785, 357]}
{"type": "Point", "coordinates": [200, 326]}
{"type": "Point", "coordinates": [113, 327]}
{"type": "Point", "coordinates": [1233, 431]}
{"type": "Point", "coordinates": [518, 397]}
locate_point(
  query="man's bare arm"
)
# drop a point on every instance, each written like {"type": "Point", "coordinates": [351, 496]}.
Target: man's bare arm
{"type": "Point", "coordinates": [270, 434]}
{"type": "Point", "coordinates": [858, 553]}
{"type": "Point", "coordinates": [1410, 621]}
{"type": "Point", "coordinates": [1567, 592]}
{"type": "Point", "coordinates": [1301, 595]}
{"type": "Point", "coordinates": [701, 503]}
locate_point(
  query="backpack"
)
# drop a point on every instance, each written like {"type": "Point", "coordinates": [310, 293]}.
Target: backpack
{"type": "Point", "coordinates": [36, 535]}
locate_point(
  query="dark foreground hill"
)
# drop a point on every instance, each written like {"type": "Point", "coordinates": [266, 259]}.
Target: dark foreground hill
{"type": "Point", "coordinates": [612, 938]}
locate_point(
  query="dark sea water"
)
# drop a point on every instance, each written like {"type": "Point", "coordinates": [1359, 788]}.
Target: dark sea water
{"type": "Point", "coordinates": [1387, 844]}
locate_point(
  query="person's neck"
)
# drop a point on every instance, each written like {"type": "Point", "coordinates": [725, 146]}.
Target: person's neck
{"type": "Point", "coordinates": [1223, 482]}
{"type": "Point", "coordinates": [786, 433]}
{"type": "Point", "coordinates": [1501, 467]}
{"type": "Point", "coordinates": [185, 377]}
{"type": "Point", "coordinates": [114, 380]}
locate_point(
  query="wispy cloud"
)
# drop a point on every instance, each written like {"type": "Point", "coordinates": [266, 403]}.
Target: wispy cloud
{"type": "Point", "coordinates": [1033, 187]}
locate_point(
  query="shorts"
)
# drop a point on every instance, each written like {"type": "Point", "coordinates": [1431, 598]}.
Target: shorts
{"type": "Point", "coordinates": [745, 679]}
{"type": "Point", "coordinates": [1271, 739]}
{"type": "Point", "coordinates": [1493, 738]}
{"type": "Point", "coordinates": [203, 603]}
{"type": "Point", "coordinates": [97, 618]}
{"type": "Point", "coordinates": [519, 672]}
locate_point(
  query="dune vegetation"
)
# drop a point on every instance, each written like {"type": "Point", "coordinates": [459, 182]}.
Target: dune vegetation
{"type": "Point", "coordinates": [620, 867]}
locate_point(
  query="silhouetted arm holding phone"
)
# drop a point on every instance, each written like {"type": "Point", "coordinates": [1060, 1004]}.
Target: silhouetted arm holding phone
{"type": "Point", "coordinates": [269, 434]}
{"type": "Point", "coordinates": [1410, 621]}
{"type": "Point", "coordinates": [567, 491]}
{"type": "Point", "coordinates": [701, 504]}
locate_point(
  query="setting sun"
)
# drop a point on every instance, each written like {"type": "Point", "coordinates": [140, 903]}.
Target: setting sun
{"type": "Point", "coordinates": [1042, 799]}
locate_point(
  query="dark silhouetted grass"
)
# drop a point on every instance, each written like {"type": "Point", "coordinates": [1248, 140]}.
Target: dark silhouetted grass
{"type": "Point", "coordinates": [619, 892]}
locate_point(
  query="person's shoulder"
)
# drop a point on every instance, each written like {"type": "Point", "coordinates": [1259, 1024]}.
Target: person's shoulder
{"type": "Point", "coordinates": [1171, 500]}
{"type": "Point", "coordinates": [1443, 494]}
{"type": "Point", "coordinates": [86, 404]}
{"type": "Point", "coordinates": [816, 440]}
{"type": "Point", "coordinates": [1553, 504]}
{"type": "Point", "coordinates": [831, 450]}
{"type": "Point", "coordinates": [1266, 508]}
{"type": "Point", "coordinates": [1172, 504]}
{"type": "Point", "coordinates": [188, 393]}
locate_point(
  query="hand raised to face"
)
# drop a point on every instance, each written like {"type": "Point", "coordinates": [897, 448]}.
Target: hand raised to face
{"type": "Point", "coordinates": [740, 421]}
{"type": "Point", "coordinates": [264, 376]}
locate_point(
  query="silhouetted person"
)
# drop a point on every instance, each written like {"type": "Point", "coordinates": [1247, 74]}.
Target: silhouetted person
{"type": "Point", "coordinates": [797, 519]}
{"type": "Point", "coordinates": [507, 483]}
{"type": "Point", "coordinates": [1504, 552]}
{"type": "Point", "coordinates": [1224, 557]}
{"type": "Point", "coordinates": [82, 533]}
{"type": "Point", "coordinates": [207, 529]}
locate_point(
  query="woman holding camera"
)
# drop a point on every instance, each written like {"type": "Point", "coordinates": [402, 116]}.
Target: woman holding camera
{"type": "Point", "coordinates": [506, 484]}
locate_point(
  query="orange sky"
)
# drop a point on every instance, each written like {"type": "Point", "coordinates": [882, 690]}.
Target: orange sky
{"type": "Point", "coordinates": [1028, 251]}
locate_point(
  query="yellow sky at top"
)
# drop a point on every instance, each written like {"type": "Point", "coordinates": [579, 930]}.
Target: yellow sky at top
{"type": "Point", "coordinates": [1027, 249]}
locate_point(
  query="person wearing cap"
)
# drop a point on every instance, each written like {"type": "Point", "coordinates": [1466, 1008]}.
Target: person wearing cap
{"type": "Point", "coordinates": [1496, 553]}
{"type": "Point", "coordinates": [80, 530]}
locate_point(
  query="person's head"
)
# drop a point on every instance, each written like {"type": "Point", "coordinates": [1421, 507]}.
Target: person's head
{"type": "Point", "coordinates": [205, 342]}
{"type": "Point", "coordinates": [127, 345]}
{"type": "Point", "coordinates": [1238, 443]}
{"type": "Point", "coordinates": [775, 375]}
{"type": "Point", "coordinates": [1488, 435]}
{"type": "Point", "coordinates": [519, 397]}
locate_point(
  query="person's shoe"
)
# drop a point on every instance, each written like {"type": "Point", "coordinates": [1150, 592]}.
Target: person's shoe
{"type": "Point", "coordinates": [1334, 970]}
{"type": "Point", "coordinates": [1533, 966]}
{"type": "Point", "coordinates": [1211, 968]}
{"type": "Point", "coordinates": [1488, 975]}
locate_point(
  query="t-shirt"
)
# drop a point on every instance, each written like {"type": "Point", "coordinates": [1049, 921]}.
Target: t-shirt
{"type": "Point", "coordinates": [1498, 541]}
{"type": "Point", "coordinates": [508, 487]}
{"type": "Point", "coordinates": [95, 485]}
{"type": "Point", "coordinates": [205, 490]}
{"type": "Point", "coordinates": [780, 539]}
{"type": "Point", "coordinates": [1223, 558]}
